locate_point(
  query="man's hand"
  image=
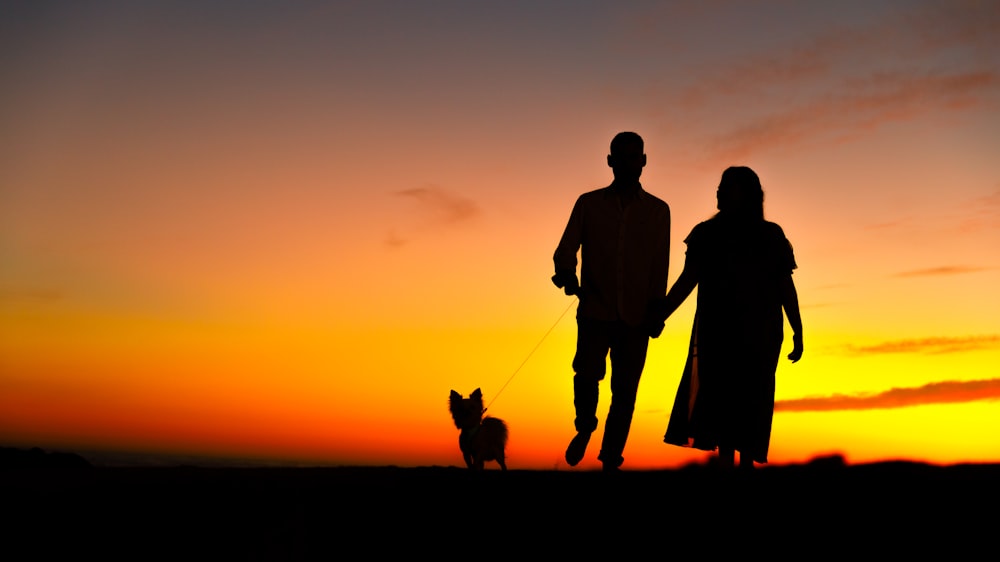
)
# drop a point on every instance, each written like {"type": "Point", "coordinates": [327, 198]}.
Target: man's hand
{"type": "Point", "coordinates": [567, 282]}
{"type": "Point", "coordinates": [796, 353]}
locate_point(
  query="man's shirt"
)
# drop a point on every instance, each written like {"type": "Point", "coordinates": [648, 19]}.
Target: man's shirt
{"type": "Point", "coordinates": [624, 253]}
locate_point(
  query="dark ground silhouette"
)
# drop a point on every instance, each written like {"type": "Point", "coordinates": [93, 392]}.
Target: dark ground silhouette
{"type": "Point", "coordinates": [196, 513]}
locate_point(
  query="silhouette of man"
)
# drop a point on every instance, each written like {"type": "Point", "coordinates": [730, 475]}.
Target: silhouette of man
{"type": "Point", "coordinates": [622, 233]}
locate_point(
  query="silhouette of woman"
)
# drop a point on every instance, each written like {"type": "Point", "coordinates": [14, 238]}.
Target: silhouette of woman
{"type": "Point", "coordinates": [742, 266]}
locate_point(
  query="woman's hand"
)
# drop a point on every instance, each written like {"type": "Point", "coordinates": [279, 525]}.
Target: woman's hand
{"type": "Point", "coordinates": [796, 353]}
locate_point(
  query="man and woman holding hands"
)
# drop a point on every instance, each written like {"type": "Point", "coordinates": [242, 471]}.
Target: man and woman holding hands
{"type": "Point", "coordinates": [742, 266]}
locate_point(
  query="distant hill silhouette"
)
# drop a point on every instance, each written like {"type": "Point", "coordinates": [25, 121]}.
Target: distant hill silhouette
{"type": "Point", "coordinates": [36, 458]}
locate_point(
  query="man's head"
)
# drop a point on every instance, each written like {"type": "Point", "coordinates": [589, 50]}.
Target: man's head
{"type": "Point", "coordinates": [627, 157]}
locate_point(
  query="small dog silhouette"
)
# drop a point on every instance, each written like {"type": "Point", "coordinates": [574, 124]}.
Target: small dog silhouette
{"type": "Point", "coordinates": [482, 438]}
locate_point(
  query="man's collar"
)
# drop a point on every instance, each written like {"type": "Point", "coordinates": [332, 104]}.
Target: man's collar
{"type": "Point", "coordinates": [639, 192]}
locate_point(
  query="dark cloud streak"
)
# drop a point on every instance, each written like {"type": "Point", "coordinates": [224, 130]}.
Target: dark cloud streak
{"type": "Point", "coordinates": [947, 392]}
{"type": "Point", "coordinates": [929, 345]}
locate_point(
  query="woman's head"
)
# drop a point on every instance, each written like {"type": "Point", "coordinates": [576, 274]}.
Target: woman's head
{"type": "Point", "coordinates": [740, 194]}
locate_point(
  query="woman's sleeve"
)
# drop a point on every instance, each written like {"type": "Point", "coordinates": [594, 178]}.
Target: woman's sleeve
{"type": "Point", "coordinates": [695, 244]}
{"type": "Point", "coordinates": [784, 255]}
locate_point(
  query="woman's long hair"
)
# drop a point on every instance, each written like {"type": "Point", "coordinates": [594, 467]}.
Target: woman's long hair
{"type": "Point", "coordinates": [740, 196]}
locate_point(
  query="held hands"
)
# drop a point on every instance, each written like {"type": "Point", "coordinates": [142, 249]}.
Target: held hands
{"type": "Point", "coordinates": [653, 328]}
{"type": "Point", "coordinates": [796, 353]}
{"type": "Point", "coordinates": [655, 319]}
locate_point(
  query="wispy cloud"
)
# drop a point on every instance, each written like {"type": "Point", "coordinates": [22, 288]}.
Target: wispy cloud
{"type": "Point", "coordinates": [969, 216]}
{"type": "Point", "coordinates": [29, 295]}
{"type": "Point", "coordinates": [947, 392]}
{"type": "Point", "coordinates": [436, 206]}
{"type": "Point", "coordinates": [972, 24]}
{"type": "Point", "coordinates": [982, 213]}
{"type": "Point", "coordinates": [394, 240]}
{"type": "Point", "coordinates": [441, 205]}
{"type": "Point", "coordinates": [886, 225]}
{"type": "Point", "coordinates": [942, 270]}
{"type": "Point", "coordinates": [833, 286]}
{"type": "Point", "coordinates": [823, 88]}
{"type": "Point", "coordinates": [858, 107]}
{"type": "Point", "coordinates": [928, 345]}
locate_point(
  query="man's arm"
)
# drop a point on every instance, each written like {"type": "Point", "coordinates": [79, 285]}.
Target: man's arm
{"type": "Point", "coordinates": [661, 259]}
{"type": "Point", "coordinates": [659, 275]}
{"type": "Point", "coordinates": [565, 254]}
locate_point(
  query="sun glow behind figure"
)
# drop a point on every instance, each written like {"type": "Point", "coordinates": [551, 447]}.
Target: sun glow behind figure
{"type": "Point", "coordinates": [220, 235]}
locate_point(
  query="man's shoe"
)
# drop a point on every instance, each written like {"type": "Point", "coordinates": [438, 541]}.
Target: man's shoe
{"type": "Point", "coordinates": [577, 448]}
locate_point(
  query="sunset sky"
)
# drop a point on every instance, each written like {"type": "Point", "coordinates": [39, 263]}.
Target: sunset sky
{"type": "Point", "coordinates": [286, 230]}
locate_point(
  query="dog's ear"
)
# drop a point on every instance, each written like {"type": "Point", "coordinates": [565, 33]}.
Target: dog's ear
{"type": "Point", "coordinates": [476, 394]}
{"type": "Point", "coordinates": [455, 396]}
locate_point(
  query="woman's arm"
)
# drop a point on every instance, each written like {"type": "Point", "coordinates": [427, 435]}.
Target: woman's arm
{"type": "Point", "coordinates": [680, 291]}
{"type": "Point", "coordinates": [790, 302]}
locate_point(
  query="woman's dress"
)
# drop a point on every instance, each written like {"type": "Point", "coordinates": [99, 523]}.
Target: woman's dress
{"type": "Point", "coordinates": [726, 394]}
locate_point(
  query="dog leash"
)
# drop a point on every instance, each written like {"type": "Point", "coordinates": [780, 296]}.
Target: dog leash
{"type": "Point", "coordinates": [530, 353]}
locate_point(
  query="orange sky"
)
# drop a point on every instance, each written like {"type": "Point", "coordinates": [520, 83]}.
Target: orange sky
{"type": "Point", "coordinates": [288, 232]}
